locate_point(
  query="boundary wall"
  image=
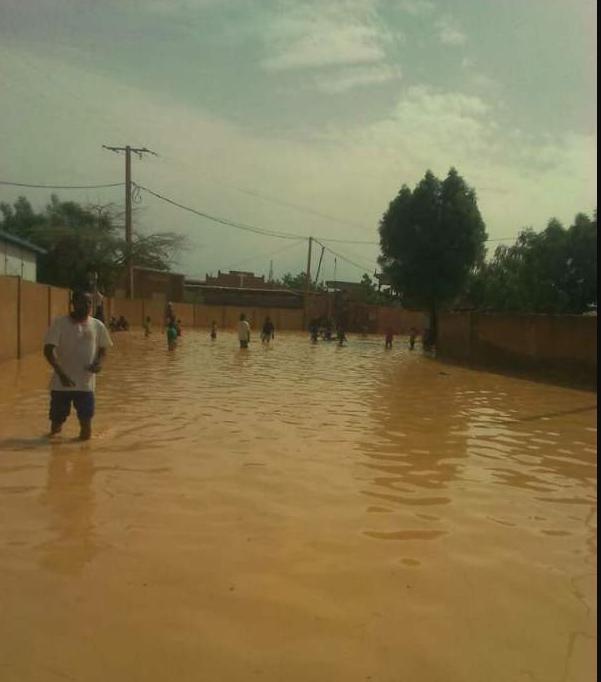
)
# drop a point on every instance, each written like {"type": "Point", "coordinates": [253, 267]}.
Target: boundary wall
{"type": "Point", "coordinates": [27, 308]}
{"type": "Point", "coordinates": [554, 347]}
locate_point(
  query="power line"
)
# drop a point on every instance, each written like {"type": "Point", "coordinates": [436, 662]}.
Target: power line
{"type": "Point", "coordinates": [224, 221]}
{"type": "Point", "coordinates": [140, 151]}
{"type": "Point", "coordinates": [363, 268]}
{"type": "Point", "coordinates": [265, 255]}
{"type": "Point", "coordinates": [350, 241]}
{"type": "Point", "coordinates": [26, 184]}
{"type": "Point", "coordinates": [266, 197]}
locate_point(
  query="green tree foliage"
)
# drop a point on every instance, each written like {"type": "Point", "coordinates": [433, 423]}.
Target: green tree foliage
{"type": "Point", "coordinates": [431, 238]}
{"type": "Point", "coordinates": [298, 281]}
{"type": "Point", "coordinates": [83, 239]}
{"type": "Point", "coordinates": [553, 271]}
{"type": "Point", "coordinates": [370, 293]}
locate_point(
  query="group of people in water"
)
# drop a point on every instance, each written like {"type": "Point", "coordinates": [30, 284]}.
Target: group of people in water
{"type": "Point", "coordinates": [76, 344]}
{"type": "Point", "coordinates": [324, 329]}
{"type": "Point", "coordinates": [117, 324]}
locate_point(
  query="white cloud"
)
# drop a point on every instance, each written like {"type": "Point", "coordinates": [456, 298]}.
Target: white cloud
{"type": "Point", "coordinates": [325, 44]}
{"type": "Point", "coordinates": [520, 179]}
{"type": "Point", "coordinates": [450, 33]}
{"type": "Point", "coordinates": [347, 79]}
{"type": "Point", "coordinates": [352, 172]}
{"type": "Point", "coordinates": [174, 6]}
{"type": "Point", "coordinates": [316, 35]}
{"type": "Point", "coordinates": [417, 7]}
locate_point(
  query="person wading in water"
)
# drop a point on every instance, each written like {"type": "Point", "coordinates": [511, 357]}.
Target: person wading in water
{"type": "Point", "coordinates": [75, 346]}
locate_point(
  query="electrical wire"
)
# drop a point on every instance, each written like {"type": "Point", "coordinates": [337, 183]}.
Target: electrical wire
{"type": "Point", "coordinates": [224, 221]}
{"type": "Point", "coordinates": [363, 268]}
{"type": "Point", "coordinates": [25, 184]}
{"type": "Point", "coordinates": [265, 255]}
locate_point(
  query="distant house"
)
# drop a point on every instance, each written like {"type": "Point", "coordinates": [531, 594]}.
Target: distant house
{"type": "Point", "coordinates": [240, 288]}
{"type": "Point", "coordinates": [261, 297]}
{"type": "Point", "coordinates": [236, 278]}
{"type": "Point", "coordinates": [18, 257]}
{"type": "Point", "coordinates": [352, 291]}
{"type": "Point", "coordinates": [158, 285]}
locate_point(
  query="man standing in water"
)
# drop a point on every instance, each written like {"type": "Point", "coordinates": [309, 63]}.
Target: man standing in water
{"type": "Point", "coordinates": [389, 338]}
{"type": "Point", "coordinates": [243, 331]}
{"type": "Point", "coordinates": [412, 337]}
{"type": "Point", "coordinates": [75, 346]}
{"type": "Point", "coordinates": [268, 331]}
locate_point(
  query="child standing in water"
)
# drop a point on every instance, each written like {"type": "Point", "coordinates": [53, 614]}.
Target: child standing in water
{"type": "Point", "coordinates": [171, 335]}
{"type": "Point", "coordinates": [268, 331]}
{"type": "Point", "coordinates": [389, 338]}
{"type": "Point", "coordinates": [412, 337]}
{"type": "Point", "coordinates": [213, 330]}
{"type": "Point", "coordinates": [243, 331]}
{"type": "Point", "coordinates": [147, 329]}
{"type": "Point", "coordinates": [340, 335]}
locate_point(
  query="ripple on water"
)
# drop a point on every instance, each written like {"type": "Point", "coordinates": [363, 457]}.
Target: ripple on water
{"type": "Point", "coordinates": [300, 471]}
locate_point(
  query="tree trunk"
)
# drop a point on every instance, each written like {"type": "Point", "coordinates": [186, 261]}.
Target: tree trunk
{"type": "Point", "coordinates": [434, 323]}
{"type": "Point", "coordinates": [429, 339]}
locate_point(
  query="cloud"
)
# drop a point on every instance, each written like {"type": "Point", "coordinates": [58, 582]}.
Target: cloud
{"type": "Point", "coordinates": [347, 79]}
{"type": "Point", "coordinates": [449, 33]}
{"type": "Point", "coordinates": [417, 7]}
{"type": "Point", "coordinates": [315, 35]}
{"type": "Point", "coordinates": [521, 179]}
{"type": "Point", "coordinates": [351, 171]}
{"type": "Point", "coordinates": [173, 6]}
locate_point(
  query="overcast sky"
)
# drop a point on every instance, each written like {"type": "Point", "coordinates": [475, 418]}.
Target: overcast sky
{"type": "Point", "coordinates": [301, 116]}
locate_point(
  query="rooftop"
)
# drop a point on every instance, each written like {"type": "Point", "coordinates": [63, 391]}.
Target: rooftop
{"type": "Point", "coordinates": [196, 284]}
{"type": "Point", "coordinates": [17, 241]}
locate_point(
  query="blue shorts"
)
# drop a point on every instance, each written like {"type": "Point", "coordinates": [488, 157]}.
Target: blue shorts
{"type": "Point", "coordinates": [60, 405]}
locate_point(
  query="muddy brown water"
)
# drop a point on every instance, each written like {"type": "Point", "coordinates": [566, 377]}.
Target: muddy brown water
{"type": "Point", "coordinates": [297, 513]}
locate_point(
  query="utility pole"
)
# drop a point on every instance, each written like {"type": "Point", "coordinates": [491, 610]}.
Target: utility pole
{"type": "Point", "coordinates": [307, 283]}
{"type": "Point", "coordinates": [128, 222]}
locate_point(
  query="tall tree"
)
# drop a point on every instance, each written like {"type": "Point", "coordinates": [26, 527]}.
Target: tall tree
{"type": "Point", "coordinates": [298, 281]}
{"type": "Point", "coordinates": [431, 238]}
{"type": "Point", "coordinates": [552, 271]}
{"type": "Point", "coordinates": [82, 239]}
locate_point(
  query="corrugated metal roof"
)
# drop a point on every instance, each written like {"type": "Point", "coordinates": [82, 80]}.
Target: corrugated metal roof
{"type": "Point", "coordinates": [12, 239]}
{"type": "Point", "coordinates": [162, 272]}
{"type": "Point", "coordinates": [213, 287]}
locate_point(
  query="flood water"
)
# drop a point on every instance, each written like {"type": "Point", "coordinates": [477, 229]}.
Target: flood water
{"type": "Point", "coordinates": [297, 513]}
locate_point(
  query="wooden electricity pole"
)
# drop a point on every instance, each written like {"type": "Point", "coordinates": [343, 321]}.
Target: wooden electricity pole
{"type": "Point", "coordinates": [307, 283]}
{"type": "Point", "coordinates": [129, 261]}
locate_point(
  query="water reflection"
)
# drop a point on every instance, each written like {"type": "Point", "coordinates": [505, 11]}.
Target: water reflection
{"type": "Point", "coordinates": [415, 450]}
{"type": "Point", "coordinates": [70, 499]}
{"type": "Point", "coordinates": [342, 491]}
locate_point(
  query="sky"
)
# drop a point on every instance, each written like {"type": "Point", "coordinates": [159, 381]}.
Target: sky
{"type": "Point", "coordinates": [303, 117]}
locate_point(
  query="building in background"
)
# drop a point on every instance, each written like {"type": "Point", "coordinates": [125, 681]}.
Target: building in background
{"type": "Point", "coordinates": [241, 288]}
{"type": "Point", "coordinates": [157, 285]}
{"type": "Point", "coordinates": [18, 257]}
{"type": "Point", "coordinates": [238, 279]}
{"type": "Point", "coordinates": [350, 291]}
{"type": "Point", "coordinates": [198, 291]}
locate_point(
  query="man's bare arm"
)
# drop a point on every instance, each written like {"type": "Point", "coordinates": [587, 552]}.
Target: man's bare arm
{"type": "Point", "coordinates": [96, 366]}
{"type": "Point", "coordinates": [51, 358]}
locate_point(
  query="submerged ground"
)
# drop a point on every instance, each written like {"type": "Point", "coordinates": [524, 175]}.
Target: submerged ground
{"type": "Point", "coordinates": [297, 513]}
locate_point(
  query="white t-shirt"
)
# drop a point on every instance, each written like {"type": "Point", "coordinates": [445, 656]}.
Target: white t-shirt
{"type": "Point", "coordinates": [243, 330]}
{"type": "Point", "coordinates": [77, 345]}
